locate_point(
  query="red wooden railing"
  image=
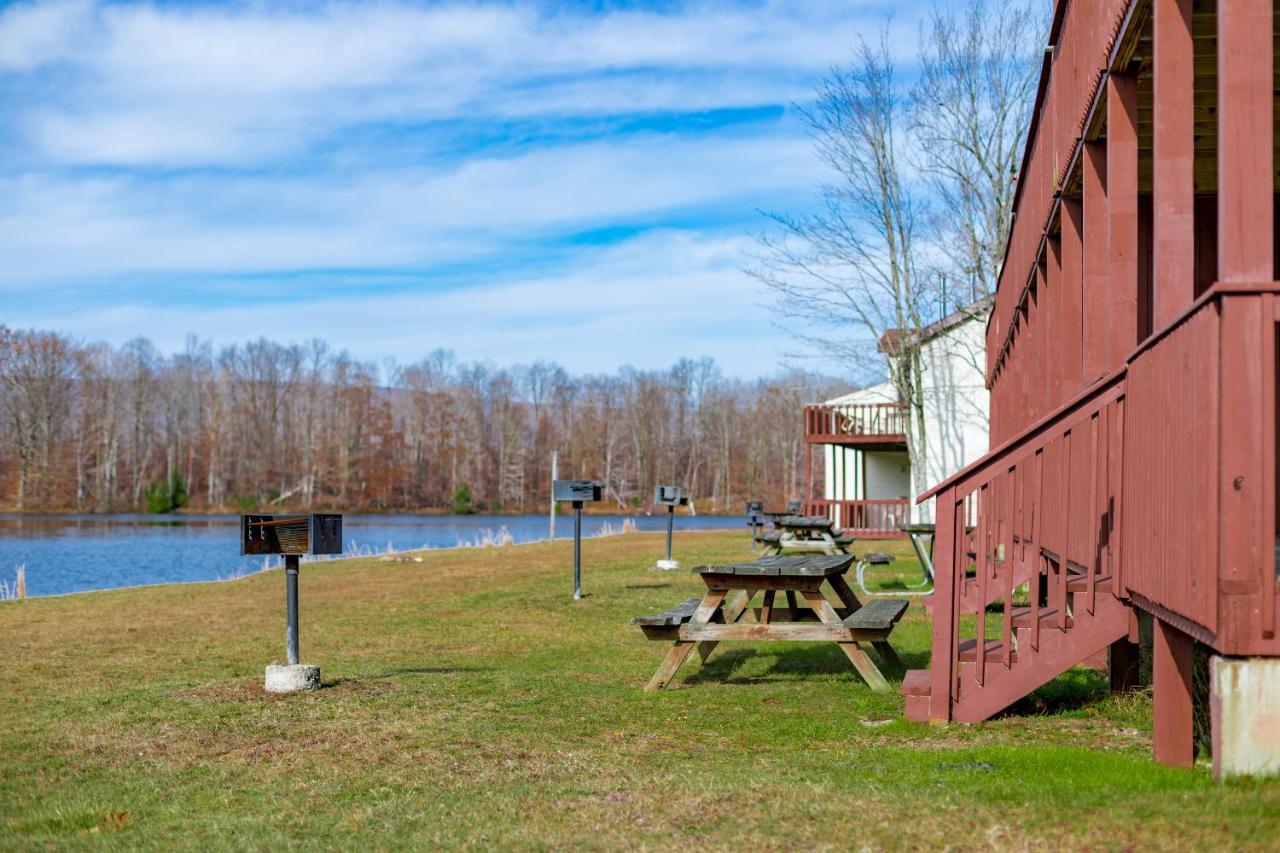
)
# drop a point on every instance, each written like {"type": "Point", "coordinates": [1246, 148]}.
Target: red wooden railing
{"type": "Point", "coordinates": [1199, 505]}
{"type": "Point", "coordinates": [842, 423]}
{"type": "Point", "coordinates": [1030, 522]}
{"type": "Point", "coordinates": [878, 519]}
{"type": "Point", "coordinates": [1156, 485]}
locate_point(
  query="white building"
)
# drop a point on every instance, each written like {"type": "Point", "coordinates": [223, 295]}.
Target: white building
{"type": "Point", "coordinates": [866, 471]}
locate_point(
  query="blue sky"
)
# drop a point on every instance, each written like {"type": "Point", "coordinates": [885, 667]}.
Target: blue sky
{"type": "Point", "coordinates": [577, 182]}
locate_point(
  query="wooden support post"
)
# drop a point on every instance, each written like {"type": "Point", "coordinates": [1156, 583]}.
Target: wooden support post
{"type": "Point", "coordinates": [1122, 208]}
{"type": "Point", "coordinates": [1072, 333]}
{"type": "Point", "coordinates": [1246, 251]}
{"type": "Point", "coordinates": [1173, 85]}
{"type": "Point", "coordinates": [948, 550]}
{"type": "Point", "coordinates": [1123, 665]}
{"type": "Point", "coordinates": [1173, 733]}
{"type": "Point", "coordinates": [1097, 264]}
{"type": "Point", "coordinates": [1051, 332]}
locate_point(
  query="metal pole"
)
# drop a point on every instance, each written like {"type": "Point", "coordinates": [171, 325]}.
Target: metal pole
{"type": "Point", "coordinates": [577, 550]}
{"type": "Point", "coordinates": [671, 521]}
{"type": "Point", "coordinates": [291, 608]}
{"type": "Point", "coordinates": [755, 531]}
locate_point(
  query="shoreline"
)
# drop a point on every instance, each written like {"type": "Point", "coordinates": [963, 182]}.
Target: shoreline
{"type": "Point", "coordinates": [339, 558]}
{"type": "Point", "coordinates": [372, 513]}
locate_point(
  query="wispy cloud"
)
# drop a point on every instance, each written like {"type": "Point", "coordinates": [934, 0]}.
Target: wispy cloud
{"type": "Point", "coordinates": [160, 160]}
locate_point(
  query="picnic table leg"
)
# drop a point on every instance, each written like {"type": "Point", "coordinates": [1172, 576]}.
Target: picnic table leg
{"type": "Point", "coordinates": [845, 593]}
{"type": "Point", "coordinates": [791, 605]}
{"type": "Point", "coordinates": [861, 661]}
{"type": "Point", "coordinates": [732, 614]}
{"type": "Point", "coordinates": [766, 611]}
{"type": "Point", "coordinates": [681, 648]}
{"type": "Point", "coordinates": [888, 654]}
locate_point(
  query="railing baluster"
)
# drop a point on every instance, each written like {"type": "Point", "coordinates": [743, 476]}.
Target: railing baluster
{"type": "Point", "coordinates": [1093, 538]}
{"type": "Point", "coordinates": [984, 546]}
{"type": "Point", "coordinates": [1038, 559]}
{"type": "Point", "coordinates": [1009, 564]}
{"type": "Point", "coordinates": [1064, 491]}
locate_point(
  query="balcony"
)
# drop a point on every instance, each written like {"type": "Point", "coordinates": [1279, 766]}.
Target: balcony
{"type": "Point", "coordinates": [865, 519]}
{"type": "Point", "coordinates": [867, 425]}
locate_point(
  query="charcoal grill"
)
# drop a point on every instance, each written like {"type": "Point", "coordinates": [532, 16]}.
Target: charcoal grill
{"type": "Point", "coordinates": [670, 497]}
{"type": "Point", "coordinates": [576, 492]}
{"type": "Point", "coordinates": [755, 518]}
{"type": "Point", "coordinates": [290, 536]}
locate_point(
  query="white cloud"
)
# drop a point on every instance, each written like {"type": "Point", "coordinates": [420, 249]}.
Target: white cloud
{"type": "Point", "coordinates": [179, 86]}
{"type": "Point", "coordinates": [55, 228]}
{"type": "Point", "coordinates": [34, 34]}
{"type": "Point", "coordinates": [247, 148]}
{"type": "Point", "coordinates": [645, 302]}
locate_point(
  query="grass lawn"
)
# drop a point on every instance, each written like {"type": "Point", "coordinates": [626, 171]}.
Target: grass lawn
{"type": "Point", "coordinates": [469, 701]}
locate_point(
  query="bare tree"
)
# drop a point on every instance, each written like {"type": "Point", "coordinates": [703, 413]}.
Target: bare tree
{"type": "Point", "coordinates": [970, 108]}
{"type": "Point", "coordinates": [851, 267]}
{"type": "Point", "coordinates": [921, 182]}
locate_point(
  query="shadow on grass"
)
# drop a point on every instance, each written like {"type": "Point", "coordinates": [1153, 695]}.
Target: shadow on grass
{"type": "Point", "coordinates": [428, 670]}
{"type": "Point", "coordinates": [647, 586]}
{"type": "Point", "coordinates": [1071, 691]}
{"type": "Point", "coordinates": [824, 659]}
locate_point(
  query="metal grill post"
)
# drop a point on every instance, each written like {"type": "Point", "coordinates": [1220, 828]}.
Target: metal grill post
{"type": "Point", "coordinates": [671, 521]}
{"type": "Point", "coordinates": [291, 608]}
{"type": "Point", "coordinates": [577, 550]}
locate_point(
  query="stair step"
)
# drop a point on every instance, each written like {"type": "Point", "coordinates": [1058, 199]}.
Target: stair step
{"type": "Point", "coordinates": [1078, 583]}
{"type": "Point", "coordinates": [917, 682]}
{"type": "Point", "coordinates": [994, 651]}
{"type": "Point", "coordinates": [1048, 617]}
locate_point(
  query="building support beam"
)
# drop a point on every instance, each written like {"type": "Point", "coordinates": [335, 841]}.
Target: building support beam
{"type": "Point", "coordinates": [1174, 196]}
{"type": "Point", "coordinates": [1097, 263]}
{"type": "Point", "coordinates": [1122, 208]}
{"type": "Point", "coordinates": [1051, 323]}
{"type": "Point", "coordinates": [1246, 215]}
{"type": "Point", "coordinates": [1069, 304]}
{"type": "Point", "coordinates": [1173, 732]}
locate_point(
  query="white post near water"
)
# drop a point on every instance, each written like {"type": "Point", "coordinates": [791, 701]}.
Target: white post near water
{"type": "Point", "coordinates": [555, 475]}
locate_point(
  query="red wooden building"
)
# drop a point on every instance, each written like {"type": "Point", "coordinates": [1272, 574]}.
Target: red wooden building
{"type": "Point", "coordinates": [1132, 366]}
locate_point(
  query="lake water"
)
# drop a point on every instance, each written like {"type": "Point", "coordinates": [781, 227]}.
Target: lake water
{"type": "Point", "coordinates": [72, 553]}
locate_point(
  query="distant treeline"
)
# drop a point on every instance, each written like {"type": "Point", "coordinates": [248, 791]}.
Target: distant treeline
{"type": "Point", "coordinates": [91, 427]}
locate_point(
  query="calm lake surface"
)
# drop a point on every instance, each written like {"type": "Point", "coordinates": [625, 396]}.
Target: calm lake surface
{"type": "Point", "coordinates": [72, 553]}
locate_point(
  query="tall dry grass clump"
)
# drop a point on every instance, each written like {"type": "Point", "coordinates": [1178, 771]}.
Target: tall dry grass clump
{"type": "Point", "coordinates": [18, 591]}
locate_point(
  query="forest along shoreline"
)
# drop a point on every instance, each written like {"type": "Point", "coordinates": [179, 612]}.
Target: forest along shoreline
{"type": "Point", "coordinates": [102, 428]}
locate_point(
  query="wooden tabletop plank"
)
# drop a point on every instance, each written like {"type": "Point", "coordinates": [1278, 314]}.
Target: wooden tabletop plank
{"type": "Point", "coordinates": [817, 565]}
{"type": "Point", "coordinates": [817, 522]}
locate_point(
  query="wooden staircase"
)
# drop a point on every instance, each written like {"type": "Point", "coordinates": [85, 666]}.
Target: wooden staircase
{"type": "Point", "coordinates": [1028, 584]}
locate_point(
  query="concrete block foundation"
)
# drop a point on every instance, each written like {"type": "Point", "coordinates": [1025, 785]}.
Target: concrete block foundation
{"type": "Point", "coordinates": [1245, 709]}
{"type": "Point", "coordinates": [292, 679]}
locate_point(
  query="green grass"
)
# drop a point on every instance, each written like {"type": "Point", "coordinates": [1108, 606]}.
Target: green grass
{"type": "Point", "coordinates": [470, 702]}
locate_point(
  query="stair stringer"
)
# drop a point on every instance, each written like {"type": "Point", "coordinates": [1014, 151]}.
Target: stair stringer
{"type": "Point", "coordinates": [1059, 651]}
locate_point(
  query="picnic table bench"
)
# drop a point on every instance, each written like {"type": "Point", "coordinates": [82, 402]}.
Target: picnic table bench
{"type": "Point", "coordinates": [704, 623]}
{"type": "Point", "coordinates": [805, 533]}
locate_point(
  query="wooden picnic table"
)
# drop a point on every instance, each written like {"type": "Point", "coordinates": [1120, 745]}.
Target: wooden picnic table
{"type": "Point", "coordinates": [704, 623]}
{"type": "Point", "coordinates": [805, 533]}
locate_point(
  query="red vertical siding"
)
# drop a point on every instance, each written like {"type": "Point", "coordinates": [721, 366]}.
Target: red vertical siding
{"type": "Point", "coordinates": [1173, 86]}
{"type": "Point", "coordinates": [1245, 139]}
{"type": "Point", "coordinates": [1122, 206]}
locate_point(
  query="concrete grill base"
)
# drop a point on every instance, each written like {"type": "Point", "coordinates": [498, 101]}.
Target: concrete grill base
{"type": "Point", "coordinates": [668, 565]}
{"type": "Point", "coordinates": [292, 679]}
{"type": "Point", "coordinates": [1245, 706]}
